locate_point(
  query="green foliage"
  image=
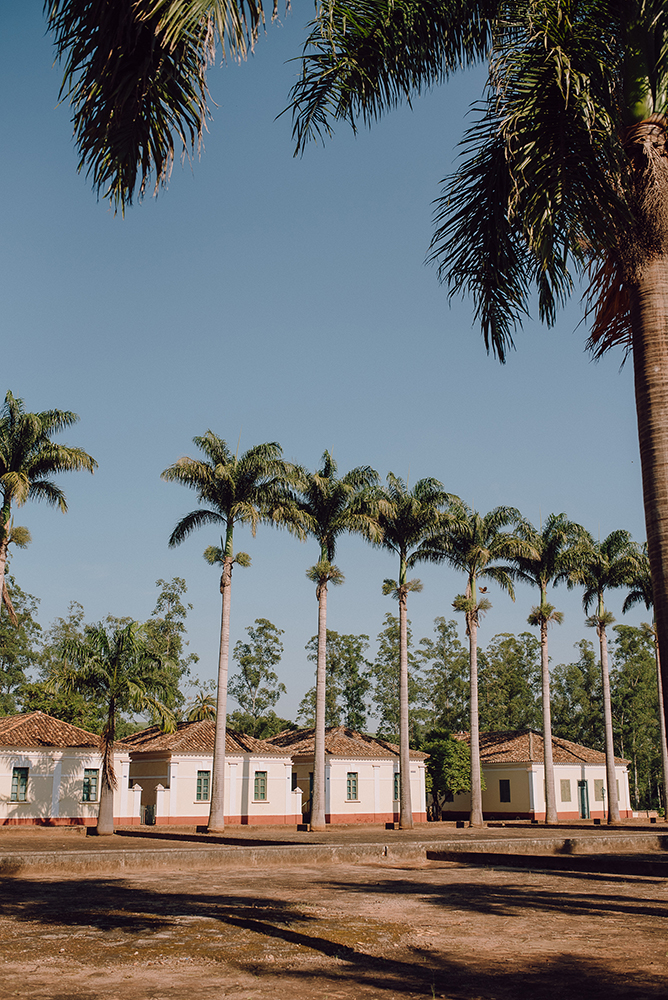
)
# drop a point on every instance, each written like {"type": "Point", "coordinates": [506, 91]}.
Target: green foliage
{"type": "Point", "coordinates": [263, 728]}
{"type": "Point", "coordinates": [577, 711]}
{"type": "Point", "coordinates": [635, 708]}
{"type": "Point", "coordinates": [445, 663]}
{"type": "Point", "coordinates": [19, 646]}
{"type": "Point", "coordinates": [448, 767]}
{"type": "Point", "coordinates": [509, 683]}
{"type": "Point", "coordinates": [164, 633]}
{"type": "Point", "coordinates": [256, 687]}
{"type": "Point", "coordinates": [384, 675]}
{"type": "Point", "coordinates": [347, 682]}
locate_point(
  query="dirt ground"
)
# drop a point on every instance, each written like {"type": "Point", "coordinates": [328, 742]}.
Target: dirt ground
{"type": "Point", "coordinates": [336, 932]}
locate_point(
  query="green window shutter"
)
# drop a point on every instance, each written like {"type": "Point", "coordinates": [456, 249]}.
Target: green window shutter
{"type": "Point", "coordinates": [203, 782]}
{"type": "Point", "coordinates": [260, 789]}
{"type": "Point", "coordinates": [20, 784]}
{"type": "Point", "coordinates": [90, 782]}
{"type": "Point", "coordinates": [397, 786]}
{"type": "Point", "coordinates": [351, 785]}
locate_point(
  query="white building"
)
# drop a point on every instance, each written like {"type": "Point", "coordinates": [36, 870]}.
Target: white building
{"type": "Point", "coordinates": [361, 775]}
{"type": "Point", "coordinates": [513, 766]}
{"type": "Point", "coordinates": [50, 774]}
{"type": "Point", "coordinates": [173, 771]}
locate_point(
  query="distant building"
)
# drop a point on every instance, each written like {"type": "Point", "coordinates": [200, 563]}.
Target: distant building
{"type": "Point", "coordinates": [513, 766]}
{"type": "Point", "coordinates": [361, 775]}
{"type": "Point", "coordinates": [174, 773]}
{"type": "Point", "coordinates": [50, 773]}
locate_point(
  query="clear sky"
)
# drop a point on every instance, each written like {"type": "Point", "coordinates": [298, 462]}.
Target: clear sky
{"type": "Point", "coordinates": [278, 299]}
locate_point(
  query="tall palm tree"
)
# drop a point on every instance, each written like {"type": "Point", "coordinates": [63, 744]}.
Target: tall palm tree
{"type": "Point", "coordinates": [476, 544]}
{"type": "Point", "coordinates": [408, 518]}
{"type": "Point", "coordinates": [329, 507]}
{"type": "Point", "coordinates": [553, 545]}
{"type": "Point", "coordinates": [598, 567]}
{"type": "Point", "coordinates": [114, 664]}
{"type": "Point", "coordinates": [565, 167]}
{"type": "Point", "coordinates": [231, 490]}
{"type": "Point", "coordinates": [28, 458]}
{"type": "Point", "coordinates": [641, 591]}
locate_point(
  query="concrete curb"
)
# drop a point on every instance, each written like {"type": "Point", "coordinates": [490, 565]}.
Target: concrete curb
{"type": "Point", "coordinates": [19, 863]}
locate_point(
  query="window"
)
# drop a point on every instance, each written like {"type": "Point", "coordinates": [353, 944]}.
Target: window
{"type": "Point", "coordinates": [203, 785]}
{"type": "Point", "coordinates": [351, 785]}
{"type": "Point", "coordinates": [20, 784]}
{"type": "Point", "coordinates": [504, 790]}
{"type": "Point", "coordinates": [565, 789]}
{"type": "Point", "coordinates": [294, 781]}
{"type": "Point", "coordinates": [91, 776]}
{"type": "Point", "coordinates": [397, 786]}
{"type": "Point", "coordinates": [260, 786]}
{"type": "Point", "coordinates": [599, 790]}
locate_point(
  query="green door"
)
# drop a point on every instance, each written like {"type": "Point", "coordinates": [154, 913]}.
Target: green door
{"type": "Point", "coordinates": [583, 799]}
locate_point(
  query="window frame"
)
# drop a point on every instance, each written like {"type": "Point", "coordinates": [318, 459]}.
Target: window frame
{"type": "Point", "coordinates": [19, 786]}
{"type": "Point", "coordinates": [504, 787]}
{"type": "Point", "coordinates": [352, 785]}
{"type": "Point", "coordinates": [87, 775]}
{"type": "Point", "coordinates": [203, 794]}
{"type": "Point", "coordinates": [260, 793]}
{"type": "Point", "coordinates": [565, 782]}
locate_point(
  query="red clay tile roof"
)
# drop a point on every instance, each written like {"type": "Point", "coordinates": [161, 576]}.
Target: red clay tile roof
{"type": "Point", "coordinates": [526, 746]}
{"type": "Point", "coordinates": [36, 729]}
{"type": "Point", "coordinates": [340, 741]}
{"type": "Point", "coordinates": [197, 737]}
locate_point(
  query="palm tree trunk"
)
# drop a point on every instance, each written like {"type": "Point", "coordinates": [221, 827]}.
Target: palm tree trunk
{"type": "Point", "coordinates": [405, 804]}
{"type": "Point", "coordinates": [4, 545]}
{"type": "Point", "coordinates": [217, 811]}
{"type": "Point", "coordinates": [613, 803]}
{"type": "Point", "coordinates": [551, 815]}
{"type": "Point", "coordinates": [649, 317]}
{"type": "Point", "coordinates": [476, 818]}
{"type": "Point", "coordinates": [662, 729]}
{"type": "Point", "coordinates": [105, 816]}
{"type": "Point", "coordinates": [318, 822]}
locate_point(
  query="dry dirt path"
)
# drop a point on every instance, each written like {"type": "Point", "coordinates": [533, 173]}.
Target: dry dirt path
{"type": "Point", "coordinates": [337, 932]}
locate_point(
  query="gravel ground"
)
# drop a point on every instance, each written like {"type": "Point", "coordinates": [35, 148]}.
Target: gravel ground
{"type": "Point", "coordinates": [335, 932]}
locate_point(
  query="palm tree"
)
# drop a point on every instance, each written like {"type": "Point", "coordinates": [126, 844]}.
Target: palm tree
{"type": "Point", "coordinates": [407, 519]}
{"type": "Point", "coordinates": [552, 544]}
{"type": "Point", "coordinates": [601, 566]}
{"type": "Point", "coordinates": [232, 489]}
{"type": "Point", "coordinates": [328, 508]}
{"type": "Point", "coordinates": [476, 545]}
{"type": "Point", "coordinates": [135, 74]}
{"type": "Point", "coordinates": [114, 664]}
{"type": "Point", "coordinates": [565, 167]}
{"type": "Point", "coordinates": [641, 591]}
{"type": "Point", "coordinates": [28, 457]}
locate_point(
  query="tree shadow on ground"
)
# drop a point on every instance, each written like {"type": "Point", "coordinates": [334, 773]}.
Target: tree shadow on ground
{"type": "Point", "coordinates": [117, 905]}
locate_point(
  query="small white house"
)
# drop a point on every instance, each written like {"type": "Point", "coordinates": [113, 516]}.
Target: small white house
{"type": "Point", "coordinates": [513, 766]}
{"type": "Point", "coordinates": [173, 773]}
{"type": "Point", "coordinates": [361, 775]}
{"type": "Point", "coordinates": [50, 774]}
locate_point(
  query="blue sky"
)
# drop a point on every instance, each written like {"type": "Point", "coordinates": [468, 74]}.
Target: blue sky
{"type": "Point", "coordinates": [275, 298]}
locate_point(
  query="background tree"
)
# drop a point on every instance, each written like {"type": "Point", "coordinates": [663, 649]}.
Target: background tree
{"type": "Point", "coordinates": [564, 166]}
{"type": "Point", "coordinates": [510, 683]}
{"type": "Point", "coordinates": [445, 664]}
{"type": "Point", "coordinates": [115, 665]}
{"type": "Point", "coordinates": [28, 457]}
{"type": "Point", "coordinates": [256, 687]}
{"type": "Point", "coordinates": [231, 490]}
{"type": "Point", "coordinates": [384, 675]}
{"type": "Point", "coordinates": [598, 567]}
{"type": "Point", "coordinates": [165, 633]}
{"type": "Point", "coordinates": [635, 711]}
{"type": "Point", "coordinates": [347, 682]}
{"type": "Point", "coordinates": [448, 768]}
{"type": "Point", "coordinates": [407, 518]}
{"type": "Point", "coordinates": [476, 545]}
{"type": "Point", "coordinates": [20, 642]}
{"type": "Point", "coordinates": [641, 590]}
{"type": "Point", "coordinates": [330, 507]}
{"type": "Point", "coordinates": [577, 701]}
